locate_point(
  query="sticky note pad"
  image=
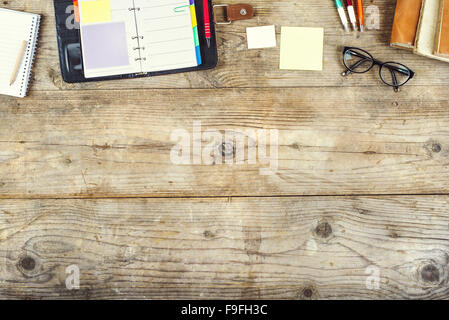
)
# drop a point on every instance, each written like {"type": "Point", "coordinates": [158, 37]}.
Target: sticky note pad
{"type": "Point", "coordinates": [105, 45]}
{"type": "Point", "coordinates": [261, 37]}
{"type": "Point", "coordinates": [302, 48]}
{"type": "Point", "coordinates": [95, 11]}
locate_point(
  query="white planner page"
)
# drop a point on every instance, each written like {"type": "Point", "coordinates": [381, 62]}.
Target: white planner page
{"type": "Point", "coordinates": [109, 38]}
{"type": "Point", "coordinates": [16, 27]}
{"type": "Point", "coordinates": [166, 29]}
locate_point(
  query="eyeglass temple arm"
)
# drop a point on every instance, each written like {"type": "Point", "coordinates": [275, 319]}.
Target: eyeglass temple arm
{"type": "Point", "coordinates": [355, 65]}
{"type": "Point", "coordinates": [395, 81]}
{"type": "Point", "coordinates": [398, 69]}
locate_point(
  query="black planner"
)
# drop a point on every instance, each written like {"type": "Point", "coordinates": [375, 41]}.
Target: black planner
{"type": "Point", "coordinates": [71, 53]}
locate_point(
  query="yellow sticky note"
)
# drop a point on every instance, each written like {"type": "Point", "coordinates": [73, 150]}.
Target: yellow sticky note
{"type": "Point", "coordinates": [95, 11]}
{"type": "Point", "coordinates": [302, 48]}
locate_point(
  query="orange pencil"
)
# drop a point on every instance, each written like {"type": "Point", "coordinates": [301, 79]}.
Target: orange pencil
{"type": "Point", "coordinates": [360, 14]}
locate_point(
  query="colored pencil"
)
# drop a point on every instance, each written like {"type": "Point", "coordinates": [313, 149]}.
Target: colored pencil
{"type": "Point", "coordinates": [342, 14]}
{"type": "Point", "coordinates": [361, 15]}
{"type": "Point", "coordinates": [351, 13]}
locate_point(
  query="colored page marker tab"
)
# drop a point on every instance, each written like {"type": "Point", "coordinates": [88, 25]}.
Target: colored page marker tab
{"type": "Point", "coordinates": [195, 32]}
{"type": "Point", "coordinates": [76, 10]}
{"type": "Point", "coordinates": [193, 14]}
{"type": "Point", "coordinates": [95, 11]}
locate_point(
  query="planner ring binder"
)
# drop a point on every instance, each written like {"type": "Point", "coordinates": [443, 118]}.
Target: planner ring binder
{"type": "Point", "coordinates": [137, 37]}
{"type": "Point", "coordinates": [71, 51]}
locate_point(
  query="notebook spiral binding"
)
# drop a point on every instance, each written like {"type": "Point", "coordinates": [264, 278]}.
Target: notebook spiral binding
{"type": "Point", "coordinates": [29, 56]}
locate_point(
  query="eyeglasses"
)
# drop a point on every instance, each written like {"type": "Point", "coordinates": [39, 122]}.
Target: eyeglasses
{"type": "Point", "coordinates": [391, 73]}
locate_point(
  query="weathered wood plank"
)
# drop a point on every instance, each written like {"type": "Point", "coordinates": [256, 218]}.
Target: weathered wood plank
{"type": "Point", "coordinates": [333, 142]}
{"type": "Point", "coordinates": [240, 67]}
{"type": "Point", "coordinates": [291, 248]}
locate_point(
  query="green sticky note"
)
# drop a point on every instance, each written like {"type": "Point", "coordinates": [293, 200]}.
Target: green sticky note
{"type": "Point", "coordinates": [302, 48]}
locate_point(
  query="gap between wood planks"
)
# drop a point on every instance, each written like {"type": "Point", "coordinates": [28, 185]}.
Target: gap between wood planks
{"type": "Point", "coordinates": [118, 197]}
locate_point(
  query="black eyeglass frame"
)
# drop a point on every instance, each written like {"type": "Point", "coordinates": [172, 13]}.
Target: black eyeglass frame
{"type": "Point", "coordinates": [381, 65]}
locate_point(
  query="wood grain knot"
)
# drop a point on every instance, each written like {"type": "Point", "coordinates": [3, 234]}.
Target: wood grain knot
{"type": "Point", "coordinates": [309, 292]}
{"type": "Point", "coordinates": [436, 147]}
{"type": "Point", "coordinates": [208, 234]}
{"type": "Point", "coordinates": [433, 147]}
{"type": "Point", "coordinates": [430, 273]}
{"type": "Point", "coordinates": [323, 230]}
{"type": "Point", "coordinates": [27, 263]}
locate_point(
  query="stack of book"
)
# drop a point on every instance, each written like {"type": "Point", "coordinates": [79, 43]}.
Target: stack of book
{"type": "Point", "coordinates": [422, 26]}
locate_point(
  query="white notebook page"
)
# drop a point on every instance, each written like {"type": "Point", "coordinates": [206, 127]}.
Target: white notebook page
{"type": "Point", "coordinates": [168, 39]}
{"type": "Point", "coordinates": [16, 27]}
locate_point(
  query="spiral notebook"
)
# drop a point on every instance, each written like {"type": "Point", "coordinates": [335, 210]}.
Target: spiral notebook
{"type": "Point", "coordinates": [16, 28]}
{"type": "Point", "coordinates": [137, 36]}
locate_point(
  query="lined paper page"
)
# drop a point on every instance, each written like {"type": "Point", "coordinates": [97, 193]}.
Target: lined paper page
{"type": "Point", "coordinates": [108, 38]}
{"type": "Point", "coordinates": [168, 37]}
{"type": "Point", "coordinates": [16, 27]}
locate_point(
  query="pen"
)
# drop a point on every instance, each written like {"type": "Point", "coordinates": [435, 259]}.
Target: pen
{"type": "Point", "coordinates": [341, 12]}
{"type": "Point", "coordinates": [351, 13]}
{"type": "Point", "coordinates": [18, 63]}
{"type": "Point", "coordinates": [206, 21]}
{"type": "Point", "coordinates": [360, 12]}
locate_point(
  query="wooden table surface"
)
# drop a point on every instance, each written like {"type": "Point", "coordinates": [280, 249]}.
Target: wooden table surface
{"type": "Point", "coordinates": [361, 189]}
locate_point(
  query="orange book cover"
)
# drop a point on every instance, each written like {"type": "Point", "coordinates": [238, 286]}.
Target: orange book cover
{"type": "Point", "coordinates": [442, 35]}
{"type": "Point", "coordinates": [405, 23]}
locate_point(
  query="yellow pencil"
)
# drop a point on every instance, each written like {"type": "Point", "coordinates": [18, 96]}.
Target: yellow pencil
{"type": "Point", "coordinates": [18, 63]}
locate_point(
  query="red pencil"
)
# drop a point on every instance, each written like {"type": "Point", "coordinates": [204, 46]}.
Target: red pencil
{"type": "Point", "coordinates": [206, 21]}
{"type": "Point", "coordinates": [351, 13]}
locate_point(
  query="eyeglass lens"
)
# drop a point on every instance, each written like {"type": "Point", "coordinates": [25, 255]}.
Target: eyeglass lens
{"type": "Point", "coordinates": [394, 74]}
{"type": "Point", "coordinates": [357, 60]}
